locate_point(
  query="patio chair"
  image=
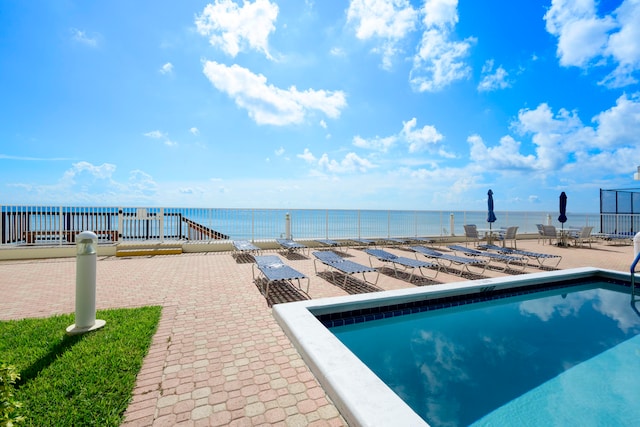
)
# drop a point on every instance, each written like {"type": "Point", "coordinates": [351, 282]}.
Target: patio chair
{"type": "Point", "coordinates": [538, 256]}
{"type": "Point", "coordinates": [540, 231]}
{"type": "Point", "coordinates": [549, 232]}
{"type": "Point", "coordinates": [492, 256]}
{"type": "Point", "coordinates": [509, 234]}
{"type": "Point", "coordinates": [446, 260]}
{"type": "Point", "coordinates": [291, 246]}
{"type": "Point", "coordinates": [273, 270]}
{"type": "Point", "coordinates": [403, 262]}
{"type": "Point", "coordinates": [335, 262]}
{"type": "Point", "coordinates": [471, 234]}
{"type": "Point", "coordinates": [581, 237]}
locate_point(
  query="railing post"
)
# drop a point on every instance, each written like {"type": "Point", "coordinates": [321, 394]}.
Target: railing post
{"type": "Point", "coordinates": [326, 225]}
{"type": "Point", "coordinates": [120, 224]}
{"type": "Point", "coordinates": [161, 225]}
{"type": "Point", "coordinates": [60, 226]}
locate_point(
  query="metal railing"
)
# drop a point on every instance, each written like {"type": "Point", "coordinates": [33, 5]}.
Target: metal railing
{"type": "Point", "coordinates": [59, 225]}
{"type": "Point", "coordinates": [633, 276]}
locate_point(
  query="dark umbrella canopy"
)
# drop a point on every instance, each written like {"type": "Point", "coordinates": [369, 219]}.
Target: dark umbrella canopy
{"type": "Point", "coordinates": [492, 216]}
{"type": "Point", "coordinates": [563, 208]}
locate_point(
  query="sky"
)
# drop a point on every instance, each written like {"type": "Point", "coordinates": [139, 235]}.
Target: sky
{"type": "Point", "coordinates": [360, 104]}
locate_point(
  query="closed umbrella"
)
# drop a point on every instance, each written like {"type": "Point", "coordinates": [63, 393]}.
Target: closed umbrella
{"type": "Point", "coordinates": [563, 209]}
{"type": "Point", "coordinates": [491, 218]}
{"type": "Point", "coordinates": [563, 215]}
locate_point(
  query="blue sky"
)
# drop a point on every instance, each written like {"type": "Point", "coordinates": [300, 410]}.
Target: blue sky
{"type": "Point", "coordinates": [361, 104]}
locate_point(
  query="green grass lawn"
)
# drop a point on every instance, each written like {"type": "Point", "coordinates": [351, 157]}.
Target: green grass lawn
{"type": "Point", "coordinates": [77, 380]}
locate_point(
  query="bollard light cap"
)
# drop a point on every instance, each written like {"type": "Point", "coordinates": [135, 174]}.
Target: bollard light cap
{"type": "Point", "coordinates": [86, 243]}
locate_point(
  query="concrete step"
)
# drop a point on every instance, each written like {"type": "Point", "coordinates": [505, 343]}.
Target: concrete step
{"type": "Point", "coordinates": [131, 250]}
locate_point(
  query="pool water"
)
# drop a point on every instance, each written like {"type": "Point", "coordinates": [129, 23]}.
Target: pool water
{"type": "Point", "coordinates": [569, 356]}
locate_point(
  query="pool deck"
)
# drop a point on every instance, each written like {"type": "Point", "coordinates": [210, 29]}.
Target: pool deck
{"type": "Point", "coordinates": [219, 357]}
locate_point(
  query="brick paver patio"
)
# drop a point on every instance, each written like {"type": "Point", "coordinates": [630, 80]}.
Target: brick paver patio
{"type": "Point", "coordinates": [219, 357]}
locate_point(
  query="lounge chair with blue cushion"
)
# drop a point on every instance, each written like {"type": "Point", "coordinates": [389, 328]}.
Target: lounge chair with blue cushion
{"type": "Point", "coordinates": [335, 262]}
{"type": "Point", "coordinates": [403, 262]}
{"type": "Point", "coordinates": [245, 246]}
{"type": "Point", "coordinates": [446, 260]}
{"type": "Point", "coordinates": [503, 258]}
{"type": "Point", "coordinates": [394, 241]}
{"type": "Point", "coordinates": [330, 243]}
{"type": "Point", "coordinates": [538, 256]}
{"type": "Point", "coordinates": [364, 242]}
{"type": "Point", "coordinates": [273, 270]}
{"type": "Point", "coordinates": [291, 246]}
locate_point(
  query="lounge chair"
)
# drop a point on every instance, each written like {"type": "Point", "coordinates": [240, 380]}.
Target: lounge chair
{"type": "Point", "coordinates": [510, 233]}
{"type": "Point", "coordinates": [549, 232]}
{"type": "Point", "coordinates": [330, 243]}
{"type": "Point", "coordinates": [394, 241]}
{"type": "Point", "coordinates": [471, 234]}
{"type": "Point", "coordinates": [273, 270]}
{"type": "Point", "coordinates": [583, 236]}
{"type": "Point", "coordinates": [364, 242]}
{"type": "Point", "coordinates": [538, 256]}
{"type": "Point", "coordinates": [621, 238]}
{"type": "Point", "coordinates": [446, 260]}
{"type": "Point", "coordinates": [402, 262]}
{"type": "Point", "coordinates": [422, 240]}
{"type": "Point", "coordinates": [290, 245]}
{"type": "Point", "coordinates": [245, 246]}
{"type": "Point", "coordinates": [504, 258]}
{"type": "Point", "coordinates": [335, 262]}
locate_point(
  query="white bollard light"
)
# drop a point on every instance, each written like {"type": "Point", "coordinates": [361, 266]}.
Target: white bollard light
{"type": "Point", "coordinates": [287, 226]}
{"type": "Point", "coordinates": [636, 244]}
{"type": "Point", "coordinates": [451, 224]}
{"type": "Point", "coordinates": [86, 260]}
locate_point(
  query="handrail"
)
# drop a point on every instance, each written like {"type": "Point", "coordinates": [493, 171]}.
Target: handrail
{"type": "Point", "coordinates": [633, 274]}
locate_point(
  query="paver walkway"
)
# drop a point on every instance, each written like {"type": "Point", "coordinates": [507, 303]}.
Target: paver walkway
{"type": "Point", "coordinates": [219, 357]}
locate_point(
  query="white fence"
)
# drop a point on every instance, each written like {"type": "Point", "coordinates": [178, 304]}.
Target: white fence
{"type": "Point", "coordinates": [60, 225]}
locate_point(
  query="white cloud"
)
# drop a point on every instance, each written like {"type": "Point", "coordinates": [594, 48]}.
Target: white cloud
{"type": "Point", "coordinates": [493, 80]}
{"type": "Point", "coordinates": [439, 60]}
{"type": "Point", "coordinates": [440, 13]}
{"type": "Point", "coordinates": [417, 140]}
{"type": "Point", "coordinates": [279, 151]}
{"type": "Point", "coordinates": [586, 39]}
{"type": "Point", "coordinates": [155, 134]}
{"type": "Point", "coordinates": [235, 29]}
{"type": "Point", "coordinates": [377, 143]}
{"type": "Point", "coordinates": [82, 38]}
{"type": "Point", "coordinates": [350, 163]}
{"type": "Point", "coordinates": [104, 171]}
{"type": "Point", "coordinates": [505, 156]}
{"type": "Point", "coordinates": [194, 131]}
{"type": "Point", "coordinates": [166, 68]}
{"type": "Point", "coordinates": [619, 125]}
{"type": "Point", "coordinates": [267, 104]}
{"type": "Point", "coordinates": [323, 124]}
{"type": "Point", "coordinates": [563, 143]}
{"type": "Point", "coordinates": [307, 156]}
{"type": "Point", "coordinates": [388, 21]}
{"type": "Point", "coordinates": [421, 138]}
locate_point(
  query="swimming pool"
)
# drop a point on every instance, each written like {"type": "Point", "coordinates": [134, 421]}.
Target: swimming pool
{"type": "Point", "coordinates": [538, 380]}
